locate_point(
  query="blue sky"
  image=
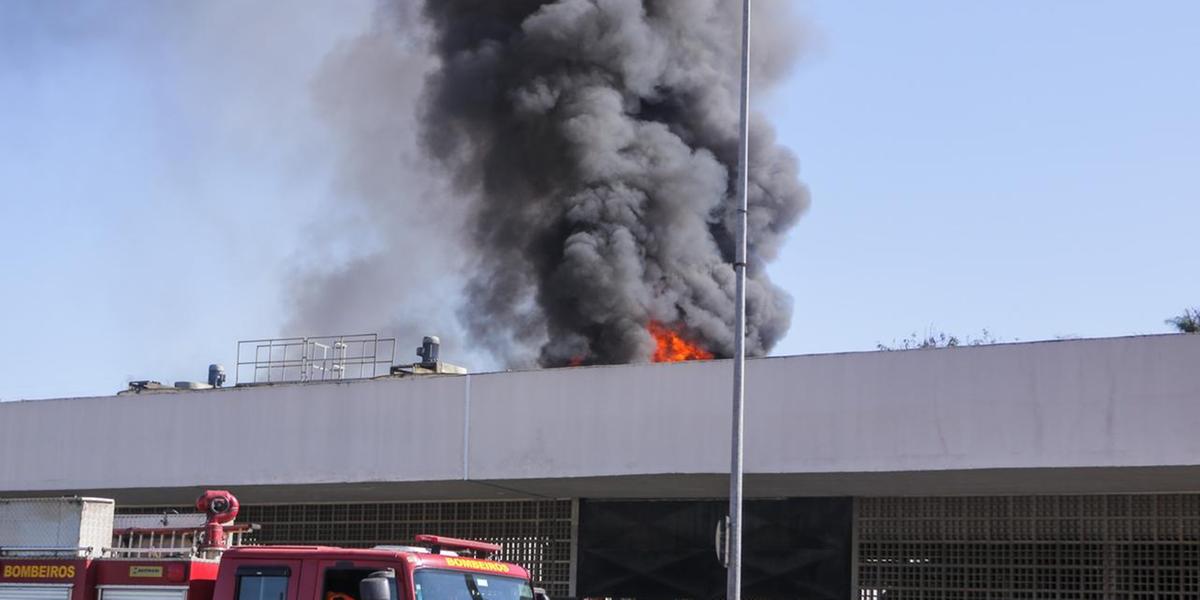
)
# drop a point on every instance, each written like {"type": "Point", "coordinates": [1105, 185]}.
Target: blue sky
{"type": "Point", "coordinates": [1026, 167]}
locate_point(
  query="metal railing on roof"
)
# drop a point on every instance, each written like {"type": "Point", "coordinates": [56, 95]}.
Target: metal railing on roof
{"type": "Point", "coordinates": [43, 551]}
{"type": "Point", "coordinates": [324, 358]}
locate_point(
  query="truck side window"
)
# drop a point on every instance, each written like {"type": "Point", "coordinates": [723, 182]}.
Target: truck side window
{"type": "Point", "coordinates": [342, 583]}
{"type": "Point", "coordinates": [262, 583]}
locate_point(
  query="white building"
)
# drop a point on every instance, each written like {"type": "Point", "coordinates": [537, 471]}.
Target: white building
{"type": "Point", "coordinates": [1052, 469]}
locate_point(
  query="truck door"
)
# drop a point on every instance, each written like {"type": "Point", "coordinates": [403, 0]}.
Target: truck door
{"type": "Point", "coordinates": [276, 580]}
{"type": "Point", "coordinates": [339, 579]}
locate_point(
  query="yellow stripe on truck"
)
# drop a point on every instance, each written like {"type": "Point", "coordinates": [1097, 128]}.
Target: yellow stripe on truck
{"type": "Point", "coordinates": [481, 565]}
{"type": "Point", "coordinates": [39, 571]}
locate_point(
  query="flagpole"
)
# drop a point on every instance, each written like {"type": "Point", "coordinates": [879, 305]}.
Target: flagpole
{"type": "Point", "coordinates": [734, 555]}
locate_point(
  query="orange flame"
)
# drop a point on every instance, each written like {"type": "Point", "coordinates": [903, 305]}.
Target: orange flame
{"type": "Point", "coordinates": [670, 346]}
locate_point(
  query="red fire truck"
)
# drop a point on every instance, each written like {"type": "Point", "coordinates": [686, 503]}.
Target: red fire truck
{"type": "Point", "coordinates": [206, 563]}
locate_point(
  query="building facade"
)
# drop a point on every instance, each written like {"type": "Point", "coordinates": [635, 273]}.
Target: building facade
{"type": "Point", "coordinates": [1062, 469]}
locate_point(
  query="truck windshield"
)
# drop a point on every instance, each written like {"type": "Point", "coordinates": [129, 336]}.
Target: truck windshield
{"type": "Point", "coordinates": [436, 584]}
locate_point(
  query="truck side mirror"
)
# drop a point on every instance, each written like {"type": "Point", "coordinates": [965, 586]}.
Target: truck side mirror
{"type": "Point", "coordinates": [377, 586]}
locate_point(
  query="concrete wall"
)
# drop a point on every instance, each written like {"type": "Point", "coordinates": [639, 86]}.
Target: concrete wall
{"type": "Point", "coordinates": [815, 424]}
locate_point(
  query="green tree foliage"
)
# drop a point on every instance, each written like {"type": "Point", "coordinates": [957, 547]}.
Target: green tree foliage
{"type": "Point", "coordinates": [1188, 322]}
{"type": "Point", "coordinates": [938, 339]}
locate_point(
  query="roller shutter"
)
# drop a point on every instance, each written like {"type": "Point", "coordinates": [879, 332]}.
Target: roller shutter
{"type": "Point", "coordinates": [19, 591]}
{"type": "Point", "coordinates": [142, 592]}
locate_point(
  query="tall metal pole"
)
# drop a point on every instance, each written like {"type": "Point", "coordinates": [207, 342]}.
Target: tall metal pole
{"type": "Point", "coordinates": [734, 580]}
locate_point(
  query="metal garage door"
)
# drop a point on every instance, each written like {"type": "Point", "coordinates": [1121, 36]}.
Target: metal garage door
{"type": "Point", "coordinates": [142, 592]}
{"type": "Point", "coordinates": [1001, 548]}
{"type": "Point", "coordinates": [25, 591]}
{"type": "Point", "coordinates": [665, 549]}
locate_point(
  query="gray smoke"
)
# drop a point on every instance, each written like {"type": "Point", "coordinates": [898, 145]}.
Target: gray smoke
{"type": "Point", "coordinates": [389, 256]}
{"type": "Point", "coordinates": [592, 145]}
{"type": "Point", "coordinates": [540, 180]}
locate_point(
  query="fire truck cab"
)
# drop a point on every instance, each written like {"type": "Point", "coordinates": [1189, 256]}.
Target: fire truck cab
{"type": "Point", "coordinates": [199, 558]}
{"type": "Point", "coordinates": [438, 572]}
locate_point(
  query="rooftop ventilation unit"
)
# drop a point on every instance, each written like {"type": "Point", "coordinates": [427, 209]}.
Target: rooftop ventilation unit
{"type": "Point", "coordinates": [431, 363]}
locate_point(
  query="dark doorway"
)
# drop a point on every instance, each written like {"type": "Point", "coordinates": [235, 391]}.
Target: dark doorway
{"type": "Point", "coordinates": [793, 548]}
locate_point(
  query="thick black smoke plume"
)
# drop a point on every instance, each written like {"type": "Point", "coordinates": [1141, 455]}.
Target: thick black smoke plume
{"type": "Point", "coordinates": [595, 142]}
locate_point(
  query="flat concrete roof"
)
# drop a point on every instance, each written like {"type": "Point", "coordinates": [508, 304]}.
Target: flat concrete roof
{"type": "Point", "coordinates": [1116, 415]}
